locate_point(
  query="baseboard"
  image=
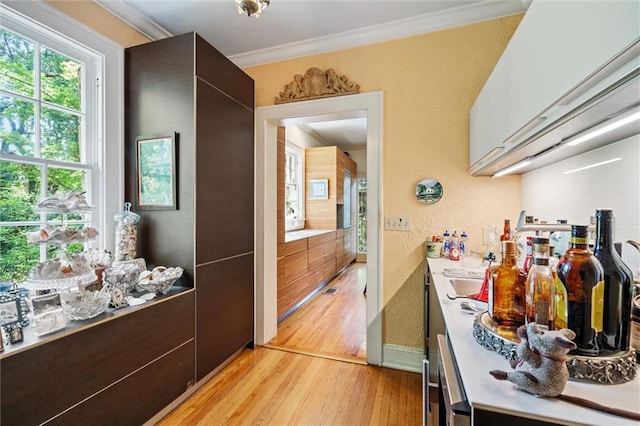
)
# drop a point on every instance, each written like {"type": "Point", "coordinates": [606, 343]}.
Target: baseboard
{"type": "Point", "coordinates": [402, 358]}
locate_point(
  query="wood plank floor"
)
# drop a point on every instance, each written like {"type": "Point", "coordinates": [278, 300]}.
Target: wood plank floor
{"type": "Point", "coordinates": [332, 326]}
{"type": "Point", "coordinates": [274, 387]}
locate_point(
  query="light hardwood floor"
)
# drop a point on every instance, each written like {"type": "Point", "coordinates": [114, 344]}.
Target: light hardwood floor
{"type": "Point", "coordinates": [331, 326]}
{"type": "Point", "coordinates": [302, 379]}
{"type": "Point", "coordinates": [274, 387]}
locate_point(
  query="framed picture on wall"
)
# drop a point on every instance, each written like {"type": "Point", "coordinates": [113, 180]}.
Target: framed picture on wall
{"type": "Point", "coordinates": [157, 172]}
{"type": "Point", "coordinates": [318, 189]}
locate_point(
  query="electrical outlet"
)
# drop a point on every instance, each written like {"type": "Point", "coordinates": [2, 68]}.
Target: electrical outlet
{"type": "Point", "coordinates": [397, 223]}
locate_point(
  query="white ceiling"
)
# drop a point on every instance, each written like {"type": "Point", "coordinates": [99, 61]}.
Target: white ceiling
{"type": "Point", "coordinates": [293, 28]}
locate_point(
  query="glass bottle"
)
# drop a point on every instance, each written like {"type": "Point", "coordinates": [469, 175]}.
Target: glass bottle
{"type": "Point", "coordinates": [463, 244]}
{"type": "Point", "coordinates": [126, 233]}
{"type": "Point", "coordinates": [618, 284]}
{"type": "Point", "coordinates": [506, 231]}
{"type": "Point", "coordinates": [446, 244]}
{"type": "Point", "coordinates": [559, 295]}
{"type": "Point", "coordinates": [507, 288]}
{"type": "Point", "coordinates": [583, 278]}
{"type": "Point", "coordinates": [528, 260]}
{"type": "Point", "coordinates": [454, 247]}
{"type": "Point", "coordinates": [540, 286]}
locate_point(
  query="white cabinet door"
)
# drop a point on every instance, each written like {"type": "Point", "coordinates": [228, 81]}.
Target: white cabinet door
{"type": "Point", "coordinates": [557, 45]}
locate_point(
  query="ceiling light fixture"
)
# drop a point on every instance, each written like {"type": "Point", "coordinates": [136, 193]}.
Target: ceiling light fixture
{"type": "Point", "coordinates": [607, 126]}
{"type": "Point", "coordinates": [517, 166]}
{"type": "Point", "coordinates": [252, 7]}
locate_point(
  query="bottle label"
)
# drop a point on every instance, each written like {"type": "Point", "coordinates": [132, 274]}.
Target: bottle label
{"type": "Point", "coordinates": [542, 313]}
{"type": "Point", "coordinates": [560, 304]}
{"type": "Point", "coordinates": [579, 240]}
{"type": "Point", "coordinates": [597, 306]}
{"type": "Point", "coordinates": [454, 254]}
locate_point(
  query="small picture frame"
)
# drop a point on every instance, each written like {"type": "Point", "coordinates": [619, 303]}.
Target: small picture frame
{"type": "Point", "coordinates": [318, 189]}
{"type": "Point", "coordinates": [10, 312]}
{"type": "Point", "coordinates": [157, 172]}
{"type": "Point", "coordinates": [48, 315]}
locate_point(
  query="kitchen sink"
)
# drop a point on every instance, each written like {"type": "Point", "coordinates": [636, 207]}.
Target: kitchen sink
{"type": "Point", "coordinates": [465, 286]}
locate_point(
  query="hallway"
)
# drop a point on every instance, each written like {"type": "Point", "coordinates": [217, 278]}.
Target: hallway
{"type": "Point", "coordinates": [330, 325]}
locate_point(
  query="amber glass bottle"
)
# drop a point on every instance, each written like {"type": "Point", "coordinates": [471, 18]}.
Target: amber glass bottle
{"type": "Point", "coordinates": [507, 289]}
{"type": "Point", "coordinates": [618, 286]}
{"type": "Point", "coordinates": [540, 287]}
{"type": "Point", "coordinates": [506, 231]}
{"type": "Point", "coordinates": [583, 277]}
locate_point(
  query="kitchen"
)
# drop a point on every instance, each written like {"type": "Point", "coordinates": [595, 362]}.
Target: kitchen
{"type": "Point", "coordinates": [425, 134]}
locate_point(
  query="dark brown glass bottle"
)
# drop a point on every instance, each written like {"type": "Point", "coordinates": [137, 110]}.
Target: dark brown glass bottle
{"type": "Point", "coordinates": [583, 277]}
{"type": "Point", "coordinates": [618, 286]}
{"type": "Point", "coordinates": [507, 289]}
{"type": "Point", "coordinates": [506, 231]}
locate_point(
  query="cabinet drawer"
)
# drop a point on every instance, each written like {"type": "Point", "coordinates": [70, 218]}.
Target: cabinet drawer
{"type": "Point", "coordinates": [330, 269]}
{"type": "Point", "coordinates": [291, 247]}
{"type": "Point", "coordinates": [292, 267]}
{"type": "Point", "coordinates": [329, 251]}
{"type": "Point", "coordinates": [315, 257]}
{"type": "Point", "coordinates": [321, 239]}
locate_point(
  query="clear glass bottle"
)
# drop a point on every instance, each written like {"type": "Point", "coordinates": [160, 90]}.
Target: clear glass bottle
{"type": "Point", "coordinates": [126, 233]}
{"type": "Point", "coordinates": [583, 278]}
{"type": "Point", "coordinates": [454, 247]}
{"type": "Point", "coordinates": [507, 289]}
{"type": "Point", "coordinates": [559, 295]}
{"type": "Point", "coordinates": [618, 284]}
{"type": "Point", "coordinates": [446, 244]}
{"type": "Point", "coordinates": [540, 286]}
{"type": "Point", "coordinates": [463, 244]}
{"type": "Point", "coordinates": [506, 231]}
{"type": "Point", "coordinates": [528, 260]}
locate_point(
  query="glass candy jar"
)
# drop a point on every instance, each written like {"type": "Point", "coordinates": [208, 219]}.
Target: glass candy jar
{"type": "Point", "coordinates": [126, 233]}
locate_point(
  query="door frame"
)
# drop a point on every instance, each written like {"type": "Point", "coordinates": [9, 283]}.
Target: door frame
{"type": "Point", "coordinates": [369, 105]}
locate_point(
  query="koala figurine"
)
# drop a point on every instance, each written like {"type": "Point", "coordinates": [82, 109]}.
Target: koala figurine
{"type": "Point", "coordinates": [541, 367]}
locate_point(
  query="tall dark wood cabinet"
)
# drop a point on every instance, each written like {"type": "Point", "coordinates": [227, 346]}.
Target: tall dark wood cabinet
{"type": "Point", "coordinates": [184, 85]}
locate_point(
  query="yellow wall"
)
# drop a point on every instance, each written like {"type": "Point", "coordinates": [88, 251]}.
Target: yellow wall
{"type": "Point", "coordinates": [100, 20]}
{"type": "Point", "coordinates": [429, 83]}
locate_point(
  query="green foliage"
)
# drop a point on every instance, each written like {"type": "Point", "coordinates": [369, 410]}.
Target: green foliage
{"type": "Point", "coordinates": [21, 184]}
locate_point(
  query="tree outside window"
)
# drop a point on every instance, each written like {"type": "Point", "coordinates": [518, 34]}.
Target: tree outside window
{"type": "Point", "coordinates": [293, 187]}
{"type": "Point", "coordinates": [42, 143]}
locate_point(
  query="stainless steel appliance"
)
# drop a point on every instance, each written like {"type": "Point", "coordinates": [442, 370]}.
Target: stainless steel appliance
{"type": "Point", "coordinates": [453, 408]}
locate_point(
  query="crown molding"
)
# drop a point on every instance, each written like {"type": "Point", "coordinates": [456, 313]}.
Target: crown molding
{"type": "Point", "coordinates": [134, 18]}
{"type": "Point", "coordinates": [420, 24]}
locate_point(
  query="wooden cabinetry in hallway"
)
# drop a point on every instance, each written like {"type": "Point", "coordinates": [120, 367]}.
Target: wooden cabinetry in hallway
{"type": "Point", "coordinates": [308, 259]}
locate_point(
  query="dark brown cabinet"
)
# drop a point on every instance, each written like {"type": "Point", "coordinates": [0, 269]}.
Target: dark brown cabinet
{"type": "Point", "coordinates": [121, 368]}
{"type": "Point", "coordinates": [184, 85]}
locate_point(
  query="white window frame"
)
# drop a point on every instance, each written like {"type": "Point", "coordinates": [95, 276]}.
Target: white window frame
{"type": "Point", "coordinates": [106, 153]}
{"type": "Point", "coordinates": [292, 225]}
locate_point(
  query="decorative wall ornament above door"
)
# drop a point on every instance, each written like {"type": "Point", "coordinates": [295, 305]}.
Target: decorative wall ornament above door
{"type": "Point", "coordinates": [316, 83]}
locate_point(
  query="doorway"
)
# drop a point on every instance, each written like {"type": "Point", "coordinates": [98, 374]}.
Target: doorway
{"type": "Point", "coordinates": [367, 105]}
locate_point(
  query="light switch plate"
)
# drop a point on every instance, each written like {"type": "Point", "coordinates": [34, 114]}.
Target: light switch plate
{"type": "Point", "coordinates": [397, 223]}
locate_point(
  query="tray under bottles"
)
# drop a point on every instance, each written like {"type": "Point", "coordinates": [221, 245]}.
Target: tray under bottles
{"type": "Point", "coordinates": [614, 369]}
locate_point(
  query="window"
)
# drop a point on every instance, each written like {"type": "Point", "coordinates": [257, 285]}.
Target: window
{"type": "Point", "coordinates": [50, 127]}
{"type": "Point", "coordinates": [362, 215]}
{"type": "Point", "coordinates": [294, 187]}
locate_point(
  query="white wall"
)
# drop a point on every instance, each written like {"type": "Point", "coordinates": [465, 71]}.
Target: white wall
{"type": "Point", "coordinates": [300, 138]}
{"type": "Point", "coordinates": [359, 155]}
{"type": "Point", "coordinates": [550, 194]}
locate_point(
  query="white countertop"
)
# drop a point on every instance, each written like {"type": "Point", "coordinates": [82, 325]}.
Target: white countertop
{"type": "Point", "coordinates": [304, 233]}
{"type": "Point", "coordinates": [474, 363]}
